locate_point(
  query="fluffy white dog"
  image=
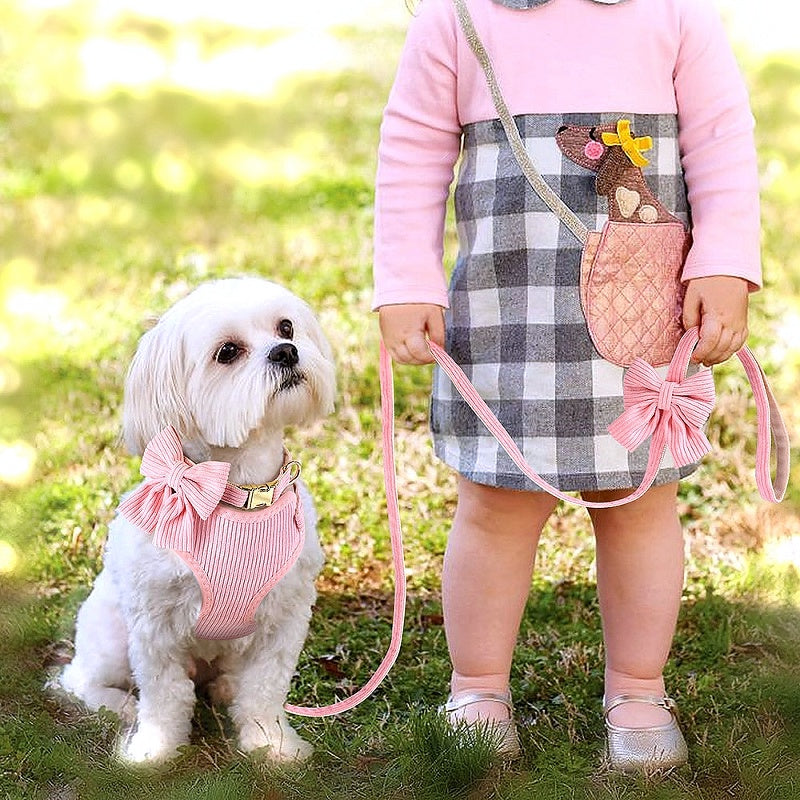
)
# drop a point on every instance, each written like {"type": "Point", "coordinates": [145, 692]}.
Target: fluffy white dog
{"type": "Point", "coordinates": [228, 368]}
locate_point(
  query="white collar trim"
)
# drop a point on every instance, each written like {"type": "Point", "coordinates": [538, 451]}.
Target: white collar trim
{"type": "Point", "coordinates": [525, 4]}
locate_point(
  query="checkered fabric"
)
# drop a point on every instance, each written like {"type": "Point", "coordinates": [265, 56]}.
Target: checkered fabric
{"type": "Point", "coordinates": [515, 323]}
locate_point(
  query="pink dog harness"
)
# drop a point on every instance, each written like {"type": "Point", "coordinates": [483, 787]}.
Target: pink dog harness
{"type": "Point", "coordinates": [237, 556]}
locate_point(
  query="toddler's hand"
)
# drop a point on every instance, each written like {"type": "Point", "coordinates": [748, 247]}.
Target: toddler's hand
{"type": "Point", "coordinates": [718, 304]}
{"type": "Point", "coordinates": [404, 326]}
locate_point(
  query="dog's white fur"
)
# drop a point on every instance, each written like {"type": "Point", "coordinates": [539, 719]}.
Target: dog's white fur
{"type": "Point", "coordinates": [135, 630]}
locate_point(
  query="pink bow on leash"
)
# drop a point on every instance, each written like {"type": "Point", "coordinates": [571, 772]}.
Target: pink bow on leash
{"type": "Point", "coordinates": [173, 492]}
{"type": "Point", "coordinates": [675, 410]}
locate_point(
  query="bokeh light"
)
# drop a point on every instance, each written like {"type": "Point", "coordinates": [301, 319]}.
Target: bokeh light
{"type": "Point", "coordinates": [17, 461]}
{"type": "Point", "coordinates": [8, 558]}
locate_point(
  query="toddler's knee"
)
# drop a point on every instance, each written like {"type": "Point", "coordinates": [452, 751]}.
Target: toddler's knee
{"type": "Point", "coordinates": [503, 510]}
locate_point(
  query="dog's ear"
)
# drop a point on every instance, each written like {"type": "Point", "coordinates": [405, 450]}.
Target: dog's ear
{"type": "Point", "coordinates": [316, 334]}
{"type": "Point", "coordinates": [324, 380]}
{"type": "Point", "coordinates": [155, 388]}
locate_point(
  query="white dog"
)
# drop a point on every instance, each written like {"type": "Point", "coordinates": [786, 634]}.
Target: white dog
{"type": "Point", "coordinates": [228, 368]}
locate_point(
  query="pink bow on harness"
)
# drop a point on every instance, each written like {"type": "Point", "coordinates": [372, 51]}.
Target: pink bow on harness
{"type": "Point", "coordinates": [174, 492]}
{"type": "Point", "coordinates": [671, 411]}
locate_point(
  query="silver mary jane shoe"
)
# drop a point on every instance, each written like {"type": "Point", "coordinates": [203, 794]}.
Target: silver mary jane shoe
{"type": "Point", "coordinates": [659, 747]}
{"type": "Point", "coordinates": [503, 732]}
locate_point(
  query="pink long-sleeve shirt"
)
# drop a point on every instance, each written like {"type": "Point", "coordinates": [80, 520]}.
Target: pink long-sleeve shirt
{"type": "Point", "coordinates": [644, 56]}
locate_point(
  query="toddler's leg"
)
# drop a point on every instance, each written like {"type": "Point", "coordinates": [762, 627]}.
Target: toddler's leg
{"type": "Point", "coordinates": [485, 584]}
{"type": "Point", "coordinates": [640, 567]}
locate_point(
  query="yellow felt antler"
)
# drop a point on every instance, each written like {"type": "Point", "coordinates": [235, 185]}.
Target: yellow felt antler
{"type": "Point", "coordinates": [632, 147]}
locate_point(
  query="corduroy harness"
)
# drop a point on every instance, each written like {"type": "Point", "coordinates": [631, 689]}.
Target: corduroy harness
{"type": "Point", "coordinates": [237, 556]}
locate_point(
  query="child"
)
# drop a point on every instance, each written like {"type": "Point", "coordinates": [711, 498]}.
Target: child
{"type": "Point", "coordinates": [512, 317]}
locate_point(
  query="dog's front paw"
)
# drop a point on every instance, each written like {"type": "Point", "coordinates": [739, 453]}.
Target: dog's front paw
{"type": "Point", "coordinates": [149, 745]}
{"type": "Point", "coordinates": [278, 741]}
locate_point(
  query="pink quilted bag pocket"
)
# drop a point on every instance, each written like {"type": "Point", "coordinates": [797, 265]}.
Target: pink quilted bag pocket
{"type": "Point", "coordinates": [631, 290]}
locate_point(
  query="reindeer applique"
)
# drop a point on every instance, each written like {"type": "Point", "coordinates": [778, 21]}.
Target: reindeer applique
{"type": "Point", "coordinates": [631, 289]}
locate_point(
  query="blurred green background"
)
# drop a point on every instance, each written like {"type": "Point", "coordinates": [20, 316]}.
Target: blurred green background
{"type": "Point", "coordinates": [148, 146]}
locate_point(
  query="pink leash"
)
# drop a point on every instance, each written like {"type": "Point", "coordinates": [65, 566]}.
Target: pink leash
{"type": "Point", "coordinates": [671, 410]}
{"type": "Point", "coordinates": [396, 534]}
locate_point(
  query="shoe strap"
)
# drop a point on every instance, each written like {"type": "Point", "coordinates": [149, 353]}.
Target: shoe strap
{"type": "Point", "coordinates": [667, 703]}
{"type": "Point", "coordinates": [470, 698]}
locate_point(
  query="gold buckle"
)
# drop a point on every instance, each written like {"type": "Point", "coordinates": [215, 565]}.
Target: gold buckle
{"type": "Point", "coordinates": [258, 496]}
{"type": "Point", "coordinates": [262, 495]}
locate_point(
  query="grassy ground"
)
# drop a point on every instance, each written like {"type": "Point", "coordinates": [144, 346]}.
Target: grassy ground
{"type": "Point", "coordinates": [115, 201]}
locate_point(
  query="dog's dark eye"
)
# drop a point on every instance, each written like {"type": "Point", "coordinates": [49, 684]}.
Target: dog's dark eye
{"type": "Point", "coordinates": [286, 329]}
{"type": "Point", "coordinates": [227, 353]}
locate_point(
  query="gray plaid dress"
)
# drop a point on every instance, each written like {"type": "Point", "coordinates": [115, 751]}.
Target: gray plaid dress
{"type": "Point", "coordinates": [515, 323]}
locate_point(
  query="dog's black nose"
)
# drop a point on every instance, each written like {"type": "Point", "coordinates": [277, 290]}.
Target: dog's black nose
{"type": "Point", "coordinates": [284, 354]}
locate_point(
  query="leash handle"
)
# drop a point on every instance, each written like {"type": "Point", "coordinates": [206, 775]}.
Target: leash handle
{"type": "Point", "coordinates": [398, 563]}
{"type": "Point", "coordinates": [770, 427]}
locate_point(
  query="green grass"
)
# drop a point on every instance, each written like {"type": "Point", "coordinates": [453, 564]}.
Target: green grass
{"type": "Point", "coordinates": [116, 203]}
